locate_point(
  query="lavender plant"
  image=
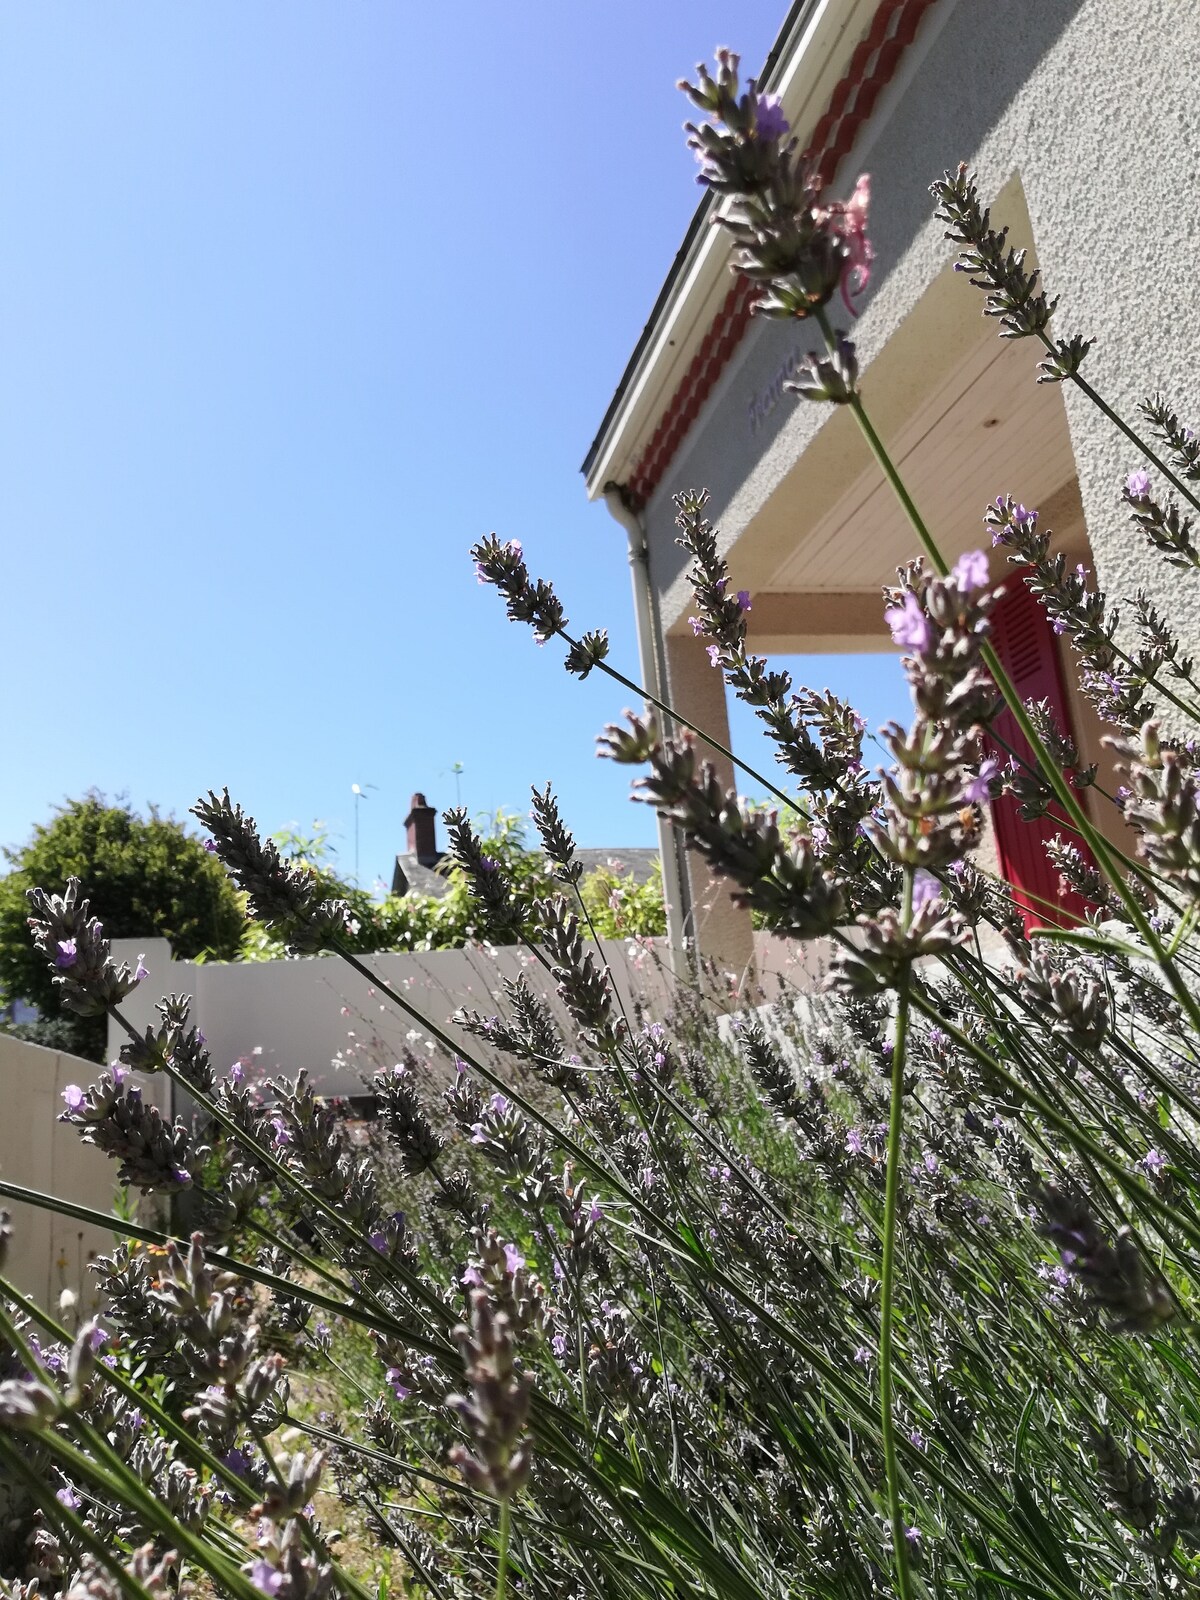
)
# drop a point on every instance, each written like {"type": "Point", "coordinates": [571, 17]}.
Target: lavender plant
{"type": "Point", "coordinates": [889, 1292]}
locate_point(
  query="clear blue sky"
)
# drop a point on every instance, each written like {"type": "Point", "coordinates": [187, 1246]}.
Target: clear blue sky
{"type": "Point", "coordinates": [299, 300]}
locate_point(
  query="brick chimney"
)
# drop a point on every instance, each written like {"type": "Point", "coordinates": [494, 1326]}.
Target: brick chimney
{"type": "Point", "coordinates": [421, 823]}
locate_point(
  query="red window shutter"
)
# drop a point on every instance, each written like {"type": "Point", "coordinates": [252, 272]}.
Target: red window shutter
{"type": "Point", "coordinates": [1025, 643]}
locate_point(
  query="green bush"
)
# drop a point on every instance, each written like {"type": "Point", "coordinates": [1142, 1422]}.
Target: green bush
{"type": "Point", "coordinates": [618, 906]}
{"type": "Point", "coordinates": [145, 877]}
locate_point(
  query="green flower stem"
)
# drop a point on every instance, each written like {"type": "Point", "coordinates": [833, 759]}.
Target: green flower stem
{"type": "Point", "coordinates": [10, 1294]}
{"type": "Point", "coordinates": [687, 1249]}
{"type": "Point", "coordinates": [128, 1490]}
{"type": "Point", "coordinates": [288, 1180]}
{"type": "Point", "coordinates": [1063, 792]}
{"type": "Point", "coordinates": [891, 1205]}
{"type": "Point", "coordinates": [505, 1533]}
{"type": "Point", "coordinates": [1068, 1128]}
{"type": "Point", "coordinates": [74, 1526]}
{"type": "Point", "coordinates": [1119, 422]}
{"type": "Point", "coordinates": [351, 1310]}
{"type": "Point", "coordinates": [676, 716]}
{"type": "Point", "coordinates": [106, 1468]}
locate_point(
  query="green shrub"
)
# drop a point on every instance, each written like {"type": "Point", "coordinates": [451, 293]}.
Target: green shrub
{"type": "Point", "coordinates": [147, 877]}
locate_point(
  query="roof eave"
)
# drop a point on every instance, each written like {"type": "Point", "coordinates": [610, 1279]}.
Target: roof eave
{"type": "Point", "coordinates": [809, 37]}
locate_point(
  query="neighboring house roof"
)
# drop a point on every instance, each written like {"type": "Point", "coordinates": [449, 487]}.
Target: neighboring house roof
{"type": "Point", "coordinates": [641, 862]}
{"type": "Point", "coordinates": [410, 877]}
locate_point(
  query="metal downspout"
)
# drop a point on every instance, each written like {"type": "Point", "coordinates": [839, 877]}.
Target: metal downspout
{"type": "Point", "coordinates": [652, 658]}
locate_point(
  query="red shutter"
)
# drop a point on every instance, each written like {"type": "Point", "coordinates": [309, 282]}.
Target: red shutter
{"type": "Point", "coordinates": [1025, 643]}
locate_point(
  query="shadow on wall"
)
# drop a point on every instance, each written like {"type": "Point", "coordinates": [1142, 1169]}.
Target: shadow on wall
{"type": "Point", "coordinates": [48, 1255]}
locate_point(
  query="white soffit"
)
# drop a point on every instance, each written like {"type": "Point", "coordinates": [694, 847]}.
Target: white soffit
{"type": "Point", "coordinates": [987, 429]}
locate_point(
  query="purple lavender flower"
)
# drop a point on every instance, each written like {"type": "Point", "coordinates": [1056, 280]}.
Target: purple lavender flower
{"type": "Point", "coordinates": [714, 654]}
{"type": "Point", "coordinates": [769, 120]}
{"type": "Point", "coordinates": [237, 1461]}
{"type": "Point", "coordinates": [399, 1389]}
{"type": "Point", "coordinates": [918, 1439]}
{"type": "Point", "coordinates": [513, 1259]}
{"type": "Point", "coordinates": [266, 1578]}
{"type": "Point", "coordinates": [863, 1355]}
{"type": "Point", "coordinates": [378, 1241]}
{"type": "Point", "coordinates": [855, 1143]}
{"type": "Point", "coordinates": [696, 624]}
{"type": "Point", "coordinates": [743, 599]}
{"type": "Point", "coordinates": [1154, 1162]}
{"type": "Point", "coordinates": [499, 1104]}
{"type": "Point", "coordinates": [970, 571]}
{"type": "Point", "coordinates": [142, 970]}
{"type": "Point", "coordinates": [925, 887]}
{"type": "Point", "coordinates": [67, 953]}
{"type": "Point", "coordinates": [237, 1073]}
{"type": "Point", "coordinates": [96, 1339]}
{"type": "Point", "coordinates": [909, 624]}
{"type": "Point", "coordinates": [210, 846]}
{"type": "Point", "coordinates": [979, 789]}
{"type": "Point", "coordinates": [119, 1074]}
{"type": "Point", "coordinates": [136, 1420]}
{"type": "Point", "coordinates": [1137, 485]}
{"type": "Point", "coordinates": [67, 1497]}
{"type": "Point", "coordinates": [73, 1097]}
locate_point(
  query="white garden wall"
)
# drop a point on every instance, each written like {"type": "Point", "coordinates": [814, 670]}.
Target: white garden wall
{"type": "Point", "coordinates": [318, 1014]}
{"type": "Point", "coordinates": [48, 1253]}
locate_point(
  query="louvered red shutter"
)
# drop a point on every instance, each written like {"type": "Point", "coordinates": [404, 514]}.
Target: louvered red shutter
{"type": "Point", "coordinates": [1024, 641]}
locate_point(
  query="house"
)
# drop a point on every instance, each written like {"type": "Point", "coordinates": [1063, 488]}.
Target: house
{"type": "Point", "coordinates": [416, 870]}
{"type": "Point", "coordinates": [1080, 121]}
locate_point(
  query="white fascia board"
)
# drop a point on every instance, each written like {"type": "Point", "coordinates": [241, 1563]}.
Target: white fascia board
{"type": "Point", "coordinates": [804, 82]}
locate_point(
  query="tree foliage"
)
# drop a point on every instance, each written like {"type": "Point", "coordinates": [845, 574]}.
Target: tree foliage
{"type": "Point", "coordinates": [145, 877]}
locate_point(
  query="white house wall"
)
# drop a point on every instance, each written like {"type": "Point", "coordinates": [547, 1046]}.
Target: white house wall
{"type": "Point", "coordinates": [1090, 105]}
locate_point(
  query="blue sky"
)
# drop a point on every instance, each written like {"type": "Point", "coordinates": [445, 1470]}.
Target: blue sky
{"type": "Point", "coordinates": [297, 302]}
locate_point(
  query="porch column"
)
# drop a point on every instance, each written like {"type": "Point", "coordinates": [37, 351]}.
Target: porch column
{"type": "Point", "coordinates": [722, 931]}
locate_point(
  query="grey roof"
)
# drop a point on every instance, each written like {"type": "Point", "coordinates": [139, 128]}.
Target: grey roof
{"type": "Point", "coordinates": [639, 859]}
{"type": "Point", "coordinates": [410, 877]}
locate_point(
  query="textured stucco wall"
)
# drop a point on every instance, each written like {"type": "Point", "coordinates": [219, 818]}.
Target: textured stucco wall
{"type": "Point", "coordinates": [1091, 104]}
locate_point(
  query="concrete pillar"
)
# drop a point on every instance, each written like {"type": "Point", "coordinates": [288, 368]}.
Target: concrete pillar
{"type": "Point", "coordinates": [696, 690]}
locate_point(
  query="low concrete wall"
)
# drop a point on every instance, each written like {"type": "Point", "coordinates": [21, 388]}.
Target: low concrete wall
{"type": "Point", "coordinates": [49, 1253]}
{"type": "Point", "coordinates": [318, 1014]}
